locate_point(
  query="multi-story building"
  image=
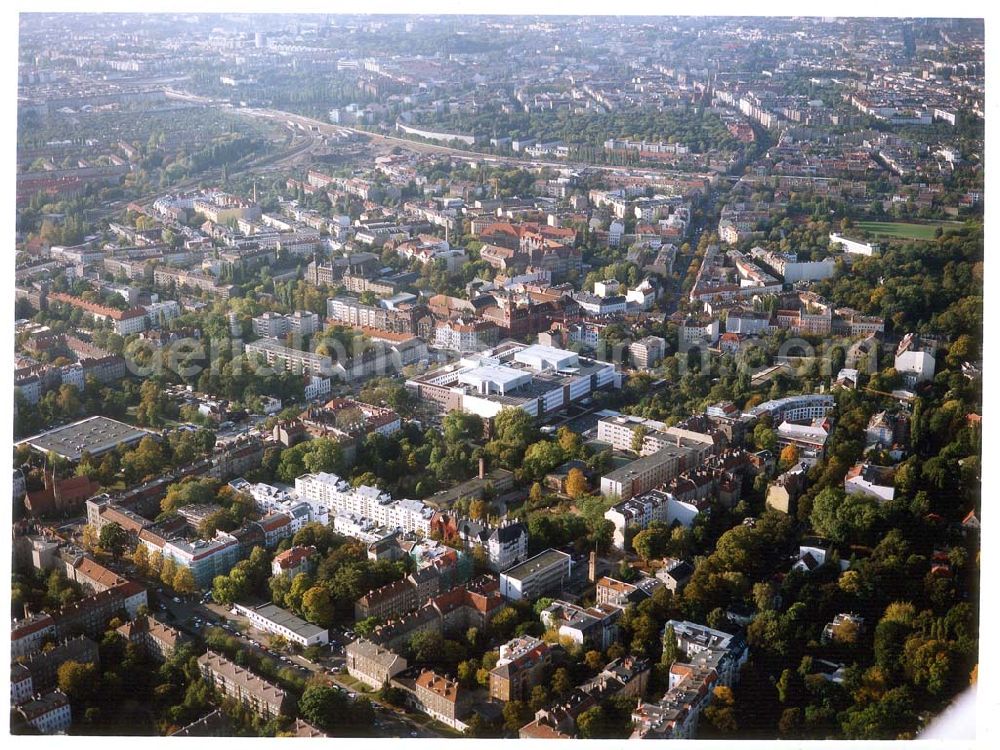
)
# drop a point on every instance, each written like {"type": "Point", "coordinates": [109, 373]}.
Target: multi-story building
{"type": "Point", "coordinates": [44, 665]}
{"type": "Point", "coordinates": [537, 379]}
{"type": "Point", "coordinates": [628, 675]}
{"type": "Point", "coordinates": [638, 512]}
{"type": "Point", "coordinates": [257, 694]}
{"type": "Point", "coordinates": [675, 574]}
{"type": "Point", "coordinates": [853, 246]}
{"type": "Point", "coordinates": [621, 594]}
{"type": "Point", "coordinates": [174, 277]}
{"type": "Point", "coordinates": [546, 572]}
{"type": "Point", "coordinates": [125, 322]}
{"type": "Point", "coordinates": [461, 336]}
{"type": "Point", "coordinates": [270, 325]}
{"type": "Point", "coordinates": [522, 664]}
{"type": "Point", "coordinates": [158, 640]}
{"type": "Point", "coordinates": [886, 430]}
{"type": "Point", "coordinates": [364, 502]}
{"type": "Point", "coordinates": [28, 635]}
{"type": "Point", "coordinates": [21, 685]}
{"type": "Point", "coordinates": [441, 698]}
{"type": "Point", "coordinates": [48, 713]}
{"type": "Point", "coordinates": [712, 658]}
{"type": "Point", "coordinates": [647, 352]}
{"type": "Point", "coordinates": [293, 561]}
{"type": "Point", "coordinates": [914, 361]}
{"type": "Point", "coordinates": [90, 616]}
{"type": "Point", "coordinates": [595, 627]}
{"type": "Point", "coordinates": [507, 545]}
{"type": "Point", "coordinates": [648, 472]}
{"type": "Point", "coordinates": [399, 597]}
{"type": "Point", "coordinates": [794, 408]}
{"type": "Point", "coordinates": [204, 558]}
{"type": "Point", "coordinates": [372, 664]}
{"type": "Point", "coordinates": [273, 352]}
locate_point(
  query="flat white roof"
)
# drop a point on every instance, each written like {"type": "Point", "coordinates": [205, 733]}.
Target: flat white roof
{"type": "Point", "coordinates": [541, 357]}
{"type": "Point", "coordinates": [504, 377]}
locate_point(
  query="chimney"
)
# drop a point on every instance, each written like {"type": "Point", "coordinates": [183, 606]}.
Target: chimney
{"type": "Point", "coordinates": [592, 570]}
{"type": "Point", "coordinates": [482, 468]}
{"type": "Point", "coordinates": [27, 611]}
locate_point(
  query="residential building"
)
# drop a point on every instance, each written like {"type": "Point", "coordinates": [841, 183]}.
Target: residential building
{"type": "Point", "coordinates": [647, 352]}
{"type": "Point", "coordinates": [675, 574]}
{"type": "Point", "coordinates": [270, 325]}
{"type": "Point", "coordinates": [157, 639]}
{"type": "Point", "coordinates": [254, 692]}
{"type": "Point", "coordinates": [90, 616]}
{"type": "Point", "coordinates": [638, 512]}
{"type": "Point", "coordinates": [21, 686]}
{"type": "Point", "coordinates": [711, 658]}
{"type": "Point", "coordinates": [442, 699]}
{"type": "Point", "coordinates": [647, 472]}
{"type": "Point", "coordinates": [293, 561]}
{"type": "Point", "coordinates": [49, 713]}
{"type": "Point", "coordinates": [372, 664]}
{"type": "Point", "coordinates": [595, 627]}
{"type": "Point", "coordinates": [273, 352]}
{"type": "Point", "coordinates": [794, 408]}
{"type": "Point", "coordinates": [621, 594]}
{"type": "Point", "coordinates": [44, 665]}
{"type": "Point", "coordinates": [628, 675]}
{"type": "Point", "coordinates": [783, 493]}
{"type": "Point", "coordinates": [914, 360]}
{"type": "Point", "coordinates": [870, 481]}
{"type": "Point", "coordinates": [507, 545]}
{"type": "Point", "coordinates": [844, 627]}
{"type": "Point", "coordinates": [522, 664]}
{"type": "Point", "coordinates": [28, 635]}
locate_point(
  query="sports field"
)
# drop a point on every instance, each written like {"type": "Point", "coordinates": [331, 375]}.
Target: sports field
{"type": "Point", "coordinates": [904, 231]}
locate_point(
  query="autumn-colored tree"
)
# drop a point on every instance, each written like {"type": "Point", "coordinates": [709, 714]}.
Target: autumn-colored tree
{"type": "Point", "coordinates": [168, 571]}
{"type": "Point", "coordinates": [789, 456]}
{"type": "Point", "coordinates": [140, 558]}
{"type": "Point", "coordinates": [576, 483]}
{"type": "Point", "coordinates": [183, 581]}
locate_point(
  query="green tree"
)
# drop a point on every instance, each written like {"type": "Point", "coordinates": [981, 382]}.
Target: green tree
{"type": "Point", "coordinates": [671, 650]}
{"type": "Point", "coordinates": [515, 715]}
{"type": "Point", "coordinates": [79, 681]}
{"type": "Point", "coordinates": [317, 606]}
{"type": "Point", "coordinates": [113, 538]}
{"type": "Point", "coordinates": [592, 724]}
{"type": "Point", "coordinates": [562, 683]}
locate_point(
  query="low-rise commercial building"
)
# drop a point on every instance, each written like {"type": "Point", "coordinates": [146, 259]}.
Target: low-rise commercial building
{"type": "Point", "coordinates": [272, 619]}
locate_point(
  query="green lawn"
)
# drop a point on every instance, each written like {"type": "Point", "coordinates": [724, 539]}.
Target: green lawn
{"type": "Point", "coordinates": [903, 230]}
